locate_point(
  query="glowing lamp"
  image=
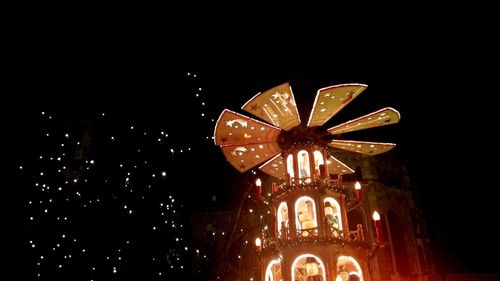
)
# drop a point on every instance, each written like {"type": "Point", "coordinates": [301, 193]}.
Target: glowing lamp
{"type": "Point", "coordinates": [258, 189]}
{"type": "Point", "coordinates": [258, 244]}
{"type": "Point", "coordinates": [357, 189]}
{"type": "Point", "coordinates": [378, 226]}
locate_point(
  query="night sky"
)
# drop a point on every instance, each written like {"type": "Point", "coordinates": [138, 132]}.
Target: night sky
{"type": "Point", "coordinates": [112, 140]}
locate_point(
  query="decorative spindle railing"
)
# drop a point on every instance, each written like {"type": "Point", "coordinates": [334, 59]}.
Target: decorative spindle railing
{"type": "Point", "coordinates": [331, 235]}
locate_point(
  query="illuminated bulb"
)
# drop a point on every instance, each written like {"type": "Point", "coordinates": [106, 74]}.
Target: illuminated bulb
{"type": "Point", "coordinates": [357, 185]}
{"type": "Point", "coordinates": [376, 216]}
{"type": "Point", "coordinates": [258, 182]}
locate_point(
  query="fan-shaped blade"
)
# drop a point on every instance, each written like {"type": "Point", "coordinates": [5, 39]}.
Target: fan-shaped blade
{"type": "Point", "coordinates": [236, 129]}
{"type": "Point", "coordinates": [335, 166]}
{"type": "Point", "coordinates": [275, 167]}
{"type": "Point", "coordinates": [244, 157]}
{"type": "Point", "coordinates": [276, 106]}
{"type": "Point", "coordinates": [382, 117]}
{"type": "Point", "coordinates": [369, 148]}
{"type": "Point", "coordinates": [330, 100]}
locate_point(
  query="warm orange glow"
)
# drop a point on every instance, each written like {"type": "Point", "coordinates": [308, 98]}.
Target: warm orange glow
{"type": "Point", "coordinates": [357, 185]}
{"type": "Point", "coordinates": [258, 242]}
{"type": "Point", "coordinates": [258, 182]}
{"type": "Point", "coordinates": [376, 216]}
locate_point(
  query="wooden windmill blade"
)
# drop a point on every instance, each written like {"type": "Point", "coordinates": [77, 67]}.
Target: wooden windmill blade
{"type": "Point", "coordinates": [382, 117]}
{"type": "Point", "coordinates": [336, 166]}
{"type": "Point", "coordinates": [275, 167]}
{"type": "Point", "coordinates": [362, 147]}
{"type": "Point", "coordinates": [245, 157]}
{"type": "Point", "coordinates": [245, 142]}
{"type": "Point", "coordinates": [276, 106]}
{"type": "Point", "coordinates": [330, 100]}
{"type": "Point", "coordinates": [236, 129]}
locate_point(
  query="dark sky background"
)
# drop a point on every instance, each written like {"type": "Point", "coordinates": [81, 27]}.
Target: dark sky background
{"type": "Point", "coordinates": [441, 89]}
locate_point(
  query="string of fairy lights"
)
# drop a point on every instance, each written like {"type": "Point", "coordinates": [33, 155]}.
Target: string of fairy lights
{"type": "Point", "coordinates": [100, 194]}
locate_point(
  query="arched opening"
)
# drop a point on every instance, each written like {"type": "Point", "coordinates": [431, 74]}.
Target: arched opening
{"type": "Point", "coordinates": [357, 216]}
{"type": "Point", "coordinates": [318, 161]}
{"type": "Point", "coordinates": [348, 269]}
{"type": "Point", "coordinates": [399, 242]}
{"type": "Point", "coordinates": [304, 167]}
{"type": "Point", "coordinates": [308, 267]}
{"type": "Point", "coordinates": [282, 220]}
{"type": "Point", "coordinates": [289, 166]}
{"type": "Point", "coordinates": [305, 219]}
{"type": "Point", "coordinates": [273, 271]}
{"type": "Point", "coordinates": [332, 213]}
